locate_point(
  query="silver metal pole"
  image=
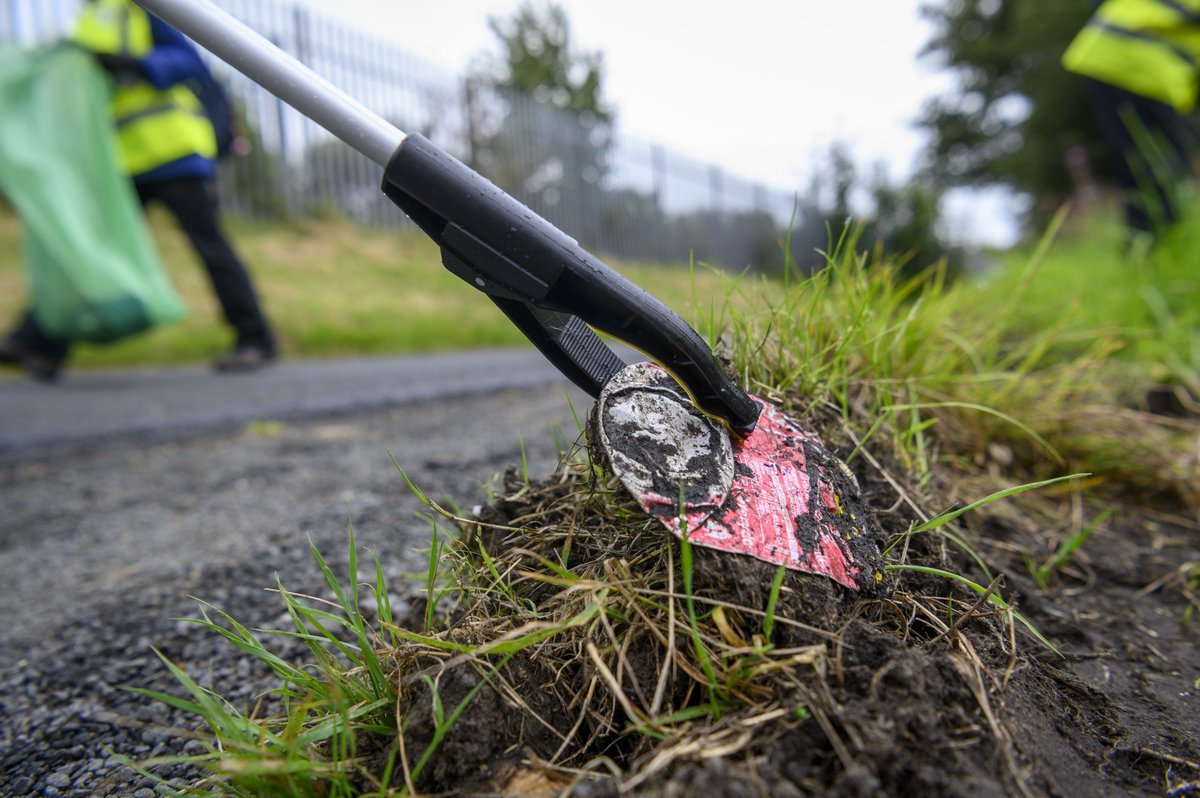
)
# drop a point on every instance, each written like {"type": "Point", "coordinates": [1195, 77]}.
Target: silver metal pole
{"type": "Point", "coordinates": [282, 75]}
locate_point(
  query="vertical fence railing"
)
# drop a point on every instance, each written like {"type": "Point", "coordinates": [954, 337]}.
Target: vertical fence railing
{"type": "Point", "coordinates": [35, 20]}
{"type": "Point", "coordinates": [616, 194]}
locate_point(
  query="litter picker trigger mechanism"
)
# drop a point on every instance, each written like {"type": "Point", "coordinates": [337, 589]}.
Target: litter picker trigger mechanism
{"type": "Point", "coordinates": [549, 286]}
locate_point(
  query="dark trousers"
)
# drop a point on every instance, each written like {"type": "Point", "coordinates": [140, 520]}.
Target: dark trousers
{"type": "Point", "coordinates": [193, 203]}
{"type": "Point", "coordinates": [1150, 146]}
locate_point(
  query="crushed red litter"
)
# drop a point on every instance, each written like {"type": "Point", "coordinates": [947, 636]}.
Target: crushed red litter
{"type": "Point", "coordinates": [790, 502]}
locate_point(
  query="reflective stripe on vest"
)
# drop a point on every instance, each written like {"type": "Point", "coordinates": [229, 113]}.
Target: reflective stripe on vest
{"type": "Point", "coordinates": [154, 126]}
{"type": "Point", "coordinates": [114, 26]}
{"type": "Point", "coordinates": [1148, 47]}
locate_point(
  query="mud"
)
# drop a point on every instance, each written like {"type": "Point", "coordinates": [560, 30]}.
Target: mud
{"type": "Point", "coordinates": [911, 694]}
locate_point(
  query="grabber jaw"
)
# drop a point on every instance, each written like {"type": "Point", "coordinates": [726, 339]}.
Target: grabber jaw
{"type": "Point", "coordinates": [549, 286]}
{"type": "Point", "coordinates": [775, 494]}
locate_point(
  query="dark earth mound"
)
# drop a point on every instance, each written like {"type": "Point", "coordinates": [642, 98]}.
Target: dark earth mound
{"type": "Point", "coordinates": [899, 701]}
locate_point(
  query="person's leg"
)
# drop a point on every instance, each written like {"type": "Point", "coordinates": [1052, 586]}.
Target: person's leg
{"type": "Point", "coordinates": [29, 347]}
{"type": "Point", "coordinates": [193, 204]}
{"type": "Point", "coordinates": [1165, 146]}
{"type": "Point", "coordinates": [1148, 145]}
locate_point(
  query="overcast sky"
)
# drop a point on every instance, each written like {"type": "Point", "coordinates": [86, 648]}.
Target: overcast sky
{"type": "Point", "coordinates": [762, 87]}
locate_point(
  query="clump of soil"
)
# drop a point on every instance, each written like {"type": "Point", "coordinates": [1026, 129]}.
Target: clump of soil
{"type": "Point", "coordinates": [616, 663]}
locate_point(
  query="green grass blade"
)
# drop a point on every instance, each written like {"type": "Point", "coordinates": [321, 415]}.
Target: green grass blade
{"type": "Point", "coordinates": [768, 625]}
{"type": "Point", "coordinates": [943, 518]}
{"type": "Point", "coordinates": [980, 589]}
{"type": "Point", "coordinates": [1009, 419]}
{"type": "Point", "coordinates": [702, 655]}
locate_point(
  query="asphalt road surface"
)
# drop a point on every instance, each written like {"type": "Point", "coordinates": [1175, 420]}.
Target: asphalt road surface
{"type": "Point", "coordinates": [88, 406]}
{"type": "Point", "coordinates": [125, 496]}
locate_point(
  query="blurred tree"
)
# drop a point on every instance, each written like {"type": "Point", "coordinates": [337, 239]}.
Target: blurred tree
{"type": "Point", "coordinates": [906, 223]}
{"type": "Point", "coordinates": [823, 214]}
{"type": "Point", "coordinates": [1015, 112]}
{"type": "Point", "coordinates": [540, 126]}
{"type": "Point", "coordinates": [541, 129]}
{"type": "Point", "coordinates": [843, 176]}
{"type": "Point", "coordinates": [904, 220]}
{"type": "Point", "coordinates": [540, 59]}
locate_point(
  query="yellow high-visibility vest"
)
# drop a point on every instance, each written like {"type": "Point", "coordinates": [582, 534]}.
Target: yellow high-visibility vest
{"type": "Point", "coordinates": [1148, 47]}
{"type": "Point", "coordinates": [154, 126]}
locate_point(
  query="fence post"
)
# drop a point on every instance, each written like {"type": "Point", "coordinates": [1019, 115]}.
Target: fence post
{"type": "Point", "coordinates": [716, 188]}
{"type": "Point", "coordinates": [468, 90]}
{"type": "Point", "coordinates": [658, 181]}
{"type": "Point", "coordinates": [61, 16]}
{"type": "Point", "coordinates": [15, 8]}
{"type": "Point", "coordinates": [658, 169]}
{"type": "Point", "coordinates": [282, 111]}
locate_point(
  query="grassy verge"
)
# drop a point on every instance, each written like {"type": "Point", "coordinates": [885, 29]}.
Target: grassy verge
{"type": "Point", "coordinates": [1145, 300]}
{"type": "Point", "coordinates": [331, 289]}
{"type": "Point", "coordinates": [563, 620]}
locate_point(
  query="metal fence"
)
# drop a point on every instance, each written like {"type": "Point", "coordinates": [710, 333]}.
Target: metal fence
{"type": "Point", "coordinates": [616, 194]}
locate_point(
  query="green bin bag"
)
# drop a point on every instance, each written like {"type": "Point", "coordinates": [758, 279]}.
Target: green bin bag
{"type": "Point", "coordinates": [93, 270]}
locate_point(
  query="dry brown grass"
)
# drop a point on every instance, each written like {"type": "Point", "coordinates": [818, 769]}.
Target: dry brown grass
{"type": "Point", "coordinates": [627, 690]}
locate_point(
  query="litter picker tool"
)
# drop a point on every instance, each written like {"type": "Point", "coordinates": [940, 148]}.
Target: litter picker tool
{"type": "Point", "coordinates": [558, 294]}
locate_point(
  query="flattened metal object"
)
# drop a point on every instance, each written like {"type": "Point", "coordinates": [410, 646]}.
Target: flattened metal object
{"type": "Point", "coordinates": [777, 495]}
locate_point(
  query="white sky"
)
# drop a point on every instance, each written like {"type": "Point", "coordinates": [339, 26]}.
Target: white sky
{"type": "Point", "coordinates": [762, 90]}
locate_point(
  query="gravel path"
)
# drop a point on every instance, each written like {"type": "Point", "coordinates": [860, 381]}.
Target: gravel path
{"type": "Point", "coordinates": [102, 545]}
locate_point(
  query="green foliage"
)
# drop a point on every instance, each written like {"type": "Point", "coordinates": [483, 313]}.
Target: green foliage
{"type": "Point", "coordinates": [329, 706]}
{"type": "Point", "coordinates": [855, 332]}
{"type": "Point", "coordinates": [962, 367]}
{"type": "Point", "coordinates": [939, 524]}
{"type": "Point", "coordinates": [1146, 299]}
{"type": "Point", "coordinates": [715, 694]}
{"type": "Point", "coordinates": [768, 624]}
{"type": "Point", "coordinates": [540, 128]}
{"type": "Point", "coordinates": [1190, 577]}
{"type": "Point", "coordinates": [539, 58]}
{"type": "Point", "coordinates": [943, 518]}
{"type": "Point", "coordinates": [1066, 549]}
{"type": "Point", "coordinates": [907, 222]}
{"type": "Point", "coordinates": [991, 597]}
{"type": "Point", "coordinates": [1015, 112]}
{"type": "Point", "coordinates": [442, 722]}
{"type": "Point", "coordinates": [925, 374]}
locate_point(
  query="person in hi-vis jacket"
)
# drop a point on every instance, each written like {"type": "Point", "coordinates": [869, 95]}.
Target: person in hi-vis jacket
{"type": "Point", "coordinates": [1139, 60]}
{"type": "Point", "coordinates": [167, 145]}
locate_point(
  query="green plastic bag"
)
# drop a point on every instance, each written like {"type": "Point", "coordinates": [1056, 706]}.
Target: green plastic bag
{"type": "Point", "coordinates": [93, 269]}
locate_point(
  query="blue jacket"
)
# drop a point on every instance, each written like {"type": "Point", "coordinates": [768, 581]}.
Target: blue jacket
{"type": "Point", "coordinates": [174, 59]}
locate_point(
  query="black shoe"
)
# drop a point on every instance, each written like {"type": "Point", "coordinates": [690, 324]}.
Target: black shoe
{"type": "Point", "coordinates": [39, 367]}
{"type": "Point", "coordinates": [244, 359]}
{"type": "Point", "coordinates": [1173, 400]}
{"type": "Point", "coordinates": [9, 352]}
